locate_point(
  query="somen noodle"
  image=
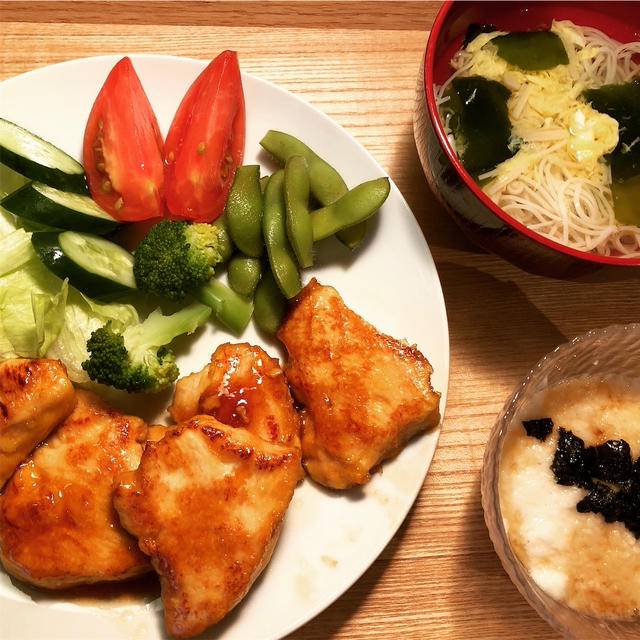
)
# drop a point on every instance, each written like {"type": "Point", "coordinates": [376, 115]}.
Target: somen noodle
{"type": "Point", "coordinates": [557, 183]}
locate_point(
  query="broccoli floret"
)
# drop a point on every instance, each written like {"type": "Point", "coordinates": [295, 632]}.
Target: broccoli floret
{"type": "Point", "coordinates": [175, 257]}
{"type": "Point", "coordinates": [138, 359]}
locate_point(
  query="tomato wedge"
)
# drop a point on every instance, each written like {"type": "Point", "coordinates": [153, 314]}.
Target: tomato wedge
{"type": "Point", "coordinates": [205, 142]}
{"type": "Point", "coordinates": [122, 149]}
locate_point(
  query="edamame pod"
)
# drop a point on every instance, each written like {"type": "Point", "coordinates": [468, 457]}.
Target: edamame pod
{"type": "Point", "coordinates": [269, 305]}
{"type": "Point", "coordinates": [326, 184]}
{"type": "Point", "coordinates": [225, 244]}
{"type": "Point", "coordinates": [244, 210]}
{"type": "Point", "coordinates": [244, 273]}
{"type": "Point", "coordinates": [296, 201]}
{"type": "Point", "coordinates": [282, 260]}
{"type": "Point", "coordinates": [355, 206]}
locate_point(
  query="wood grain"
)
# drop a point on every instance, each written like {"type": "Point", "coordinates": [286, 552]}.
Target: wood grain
{"type": "Point", "coordinates": [358, 62]}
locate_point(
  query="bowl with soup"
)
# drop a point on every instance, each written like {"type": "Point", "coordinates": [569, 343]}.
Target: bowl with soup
{"type": "Point", "coordinates": [527, 124]}
{"type": "Point", "coordinates": [561, 485]}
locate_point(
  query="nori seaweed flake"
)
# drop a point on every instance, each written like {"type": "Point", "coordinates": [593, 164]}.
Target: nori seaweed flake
{"type": "Point", "coordinates": [629, 500]}
{"type": "Point", "coordinates": [607, 471]}
{"type": "Point", "coordinates": [612, 461]}
{"type": "Point", "coordinates": [615, 505]}
{"type": "Point", "coordinates": [572, 461]}
{"type": "Point", "coordinates": [538, 428]}
{"type": "Point", "coordinates": [601, 499]}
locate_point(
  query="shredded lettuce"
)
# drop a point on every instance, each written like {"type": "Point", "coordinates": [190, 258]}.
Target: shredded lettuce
{"type": "Point", "coordinates": [43, 316]}
{"type": "Point", "coordinates": [82, 316]}
{"type": "Point", "coordinates": [32, 302]}
{"type": "Point", "coordinates": [15, 250]}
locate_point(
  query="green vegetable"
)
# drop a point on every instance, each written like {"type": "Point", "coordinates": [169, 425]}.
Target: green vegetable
{"type": "Point", "coordinates": [270, 305]}
{"type": "Point", "coordinates": [15, 250]}
{"type": "Point", "coordinates": [43, 316]}
{"type": "Point", "coordinates": [621, 102]}
{"type": "Point", "coordinates": [296, 202]}
{"type": "Point", "coordinates": [244, 210]}
{"type": "Point", "coordinates": [230, 308]}
{"type": "Point", "coordinates": [91, 263]}
{"type": "Point", "coordinates": [39, 160]}
{"type": "Point", "coordinates": [175, 257]}
{"type": "Point", "coordinates": [137, 358]}
{"type": "Point", "coordinates": [355, 206]}
{"type": "Point", "coordinates": [244, 274]}
{"type": "Point", "coordinates": [10, 180]}
{"type": "Point", "coordinates": [281, 257]}
{"type": "Point", "coordinates": [626, 196]}
{"type": "Point", "coordinates": [82, 316]}
{"type": "Point", "coordinates": [326, 184]}
{"type": "Point", "coordinates": [481, 124]}
{"type": "Point", "coordinates": [531, 50]}
{"type": "Point", "coordinates": [39, 203]}
{"type": "Point", "coordinates": [32, 304]}
{"type": "Point", "coordinates": [475, 29]}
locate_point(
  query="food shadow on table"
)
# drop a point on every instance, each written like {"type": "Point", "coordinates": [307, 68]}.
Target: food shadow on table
{"type": "Point", "coordinates": [493, 321]}
{"type": "Point", "coordinates": [438, 228]}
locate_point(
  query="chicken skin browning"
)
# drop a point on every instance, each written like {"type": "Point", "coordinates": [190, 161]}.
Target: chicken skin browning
{"type": "Point", "coordinates": [207, 503]}
{"type": "Point", "coordinates": [244, 387]}
{"type": "Point", "coordinates": [35, 396]}
{"type": "Point", "coordinates": [365, 394]}
{"type": "Point", "coordinates": [58, 526]}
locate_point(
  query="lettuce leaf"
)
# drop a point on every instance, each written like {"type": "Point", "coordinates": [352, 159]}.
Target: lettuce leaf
{"type": "Point", "coordinates": [32, 302]}
{"type": "Point", "coordinates": [43, 316]}
{"type": "Point", "coordinates": [82, 316]}
{"type": "Point", "coordinates": [15, 250]}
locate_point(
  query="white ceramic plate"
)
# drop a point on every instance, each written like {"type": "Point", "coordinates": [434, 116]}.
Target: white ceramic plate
{"type": "Point", "coordinates": [328, 539]}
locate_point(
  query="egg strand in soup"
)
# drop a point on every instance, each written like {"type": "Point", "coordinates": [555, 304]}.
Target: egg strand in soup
{"type": "Point", "coordinates": [558, 179]}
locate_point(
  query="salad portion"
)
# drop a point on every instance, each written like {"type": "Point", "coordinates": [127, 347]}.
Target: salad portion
{"type": "Point", "coordinates": [105, 262]}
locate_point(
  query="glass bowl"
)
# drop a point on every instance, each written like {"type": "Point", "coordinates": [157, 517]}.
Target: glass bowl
{"type": "Point", "coordinates": [614, 350]}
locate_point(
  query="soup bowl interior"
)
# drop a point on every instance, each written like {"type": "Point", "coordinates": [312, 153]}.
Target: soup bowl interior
{"type": "Point", "coordinates": [478, 216]}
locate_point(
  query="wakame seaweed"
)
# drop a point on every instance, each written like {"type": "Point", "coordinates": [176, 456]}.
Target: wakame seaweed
{"type": "Point", "coordinates": [474, 30]}
{"type": "Point", "coordinates": [531, 50]}
{"type": "Point", "coordinates": [481, 125]}
{"type": "Point", "coordinates": [622, 102]}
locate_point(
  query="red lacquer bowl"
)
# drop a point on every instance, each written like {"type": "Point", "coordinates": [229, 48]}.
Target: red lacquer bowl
{"type": "Point", "coordinates": [481, 219]}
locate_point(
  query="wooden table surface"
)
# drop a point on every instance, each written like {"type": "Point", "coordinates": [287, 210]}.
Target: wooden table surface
{"type": "Point", "coordinates": [358, 62]}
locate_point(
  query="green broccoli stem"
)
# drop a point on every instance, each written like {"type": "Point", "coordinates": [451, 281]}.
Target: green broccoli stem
{"type": "Point", "coordinates": [159, 330]}
{"type": "Point", "coordinates": [229, 308]}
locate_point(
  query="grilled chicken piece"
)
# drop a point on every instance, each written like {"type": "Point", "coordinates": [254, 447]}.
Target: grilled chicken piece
{"type": "Point", "coordinates": [206, 503]}
{"type": "Point", "coordinates": [58, 526]}
{"type": "Point", "coordinates": [35, 395]}
{"type": "Point", "coordinates": [242, 386]}
{"type": "Point", "coordinates": [365, 394]}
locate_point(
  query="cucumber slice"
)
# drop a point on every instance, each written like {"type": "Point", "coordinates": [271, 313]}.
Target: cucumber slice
{"type": "Point", "coordinates": [40, 203]}
{"type": "Point", "coordinates": [93, 265]}
{"type": "Point", "coordinates": [39, 160]}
